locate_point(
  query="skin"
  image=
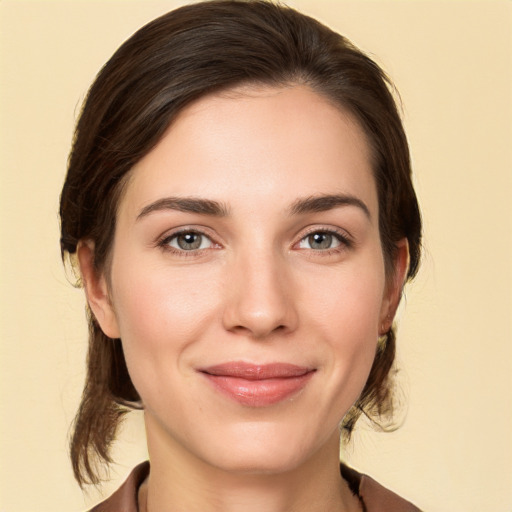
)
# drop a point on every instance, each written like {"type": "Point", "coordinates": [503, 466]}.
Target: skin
{"type": "Point", "coordinates": [259, 289]}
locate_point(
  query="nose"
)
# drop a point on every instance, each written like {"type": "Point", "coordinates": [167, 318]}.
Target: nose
{"type": "Point", "coordinates": [259, 295]}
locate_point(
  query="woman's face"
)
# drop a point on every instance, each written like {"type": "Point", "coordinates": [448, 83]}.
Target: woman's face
{"type": "Point", "coordinates": [247, 279]}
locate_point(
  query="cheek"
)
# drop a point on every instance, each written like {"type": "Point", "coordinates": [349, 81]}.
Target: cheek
{"type": "Point", "coordinates": [154, 299]}
{"type": "Point", "coordinates": [348, 317]}
{"type": "Point", "coordinates": [349, 303]}
{"type": "Point", "coordinates": [160, 314]}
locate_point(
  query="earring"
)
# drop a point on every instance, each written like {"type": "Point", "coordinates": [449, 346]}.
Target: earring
{"type": "Point", "coordinates": [387, 324]}
{"type": "Point", "coordinates": [382, 339]}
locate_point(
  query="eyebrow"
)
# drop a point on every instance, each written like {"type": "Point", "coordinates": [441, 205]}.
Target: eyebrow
{"type": "Point", "coordinates": [322, 203]}
{"type": "Point", "coordinates": [311, 204]}
{"type": "Point", "coordinates": [187, 205]}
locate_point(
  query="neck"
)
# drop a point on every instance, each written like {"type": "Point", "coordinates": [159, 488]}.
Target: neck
{"type": "Point", "coordinates": [179, 481]}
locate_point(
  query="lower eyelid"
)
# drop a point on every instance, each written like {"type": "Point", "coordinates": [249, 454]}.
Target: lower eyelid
{"type": "Point", "coordinates": [174, 238]}
{"type": "Point", "coordinates": [342, 239]}
{"type": "Point", "coordinates": [165, 241]}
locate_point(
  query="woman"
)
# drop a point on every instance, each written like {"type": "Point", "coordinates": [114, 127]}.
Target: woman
{"type": "Point", "coordinates": [240, 208]}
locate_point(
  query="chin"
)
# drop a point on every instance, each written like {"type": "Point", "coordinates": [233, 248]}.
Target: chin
{"type": "Point", "coordinates": [267, 450]}
{"type": "Point", "coordinates": [258, 464]}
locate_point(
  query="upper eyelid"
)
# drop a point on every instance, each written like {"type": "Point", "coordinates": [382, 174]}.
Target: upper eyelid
{"type": "Point", "coordinates": [342, 233]}
{"type": "Point", "coordinates": [345, 239]}
{"type": "Point", "coordinates": [186, 229]}
{"type": "Point", "coordinates": [170, 234]}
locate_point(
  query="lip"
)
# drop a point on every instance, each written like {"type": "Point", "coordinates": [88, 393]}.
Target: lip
{"type": "Point", "coordinates": [257, 385]}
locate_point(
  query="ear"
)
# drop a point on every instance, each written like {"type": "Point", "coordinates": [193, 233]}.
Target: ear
{"type": "Point", "coordinates": [96, 290]}
{"type": "Point", "coordinates": [394, 286]}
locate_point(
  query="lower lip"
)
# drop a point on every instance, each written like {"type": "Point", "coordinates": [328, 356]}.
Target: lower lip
{"type": "Point", "coordinates": [259, 393]}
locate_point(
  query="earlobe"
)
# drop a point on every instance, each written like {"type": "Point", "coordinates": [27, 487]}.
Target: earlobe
{"type": "Point", "coordinates": [394, 286]}
{"type": "Point", "coordinates": [96, 290]}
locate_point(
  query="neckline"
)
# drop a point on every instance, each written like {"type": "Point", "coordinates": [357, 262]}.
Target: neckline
{"type": "Point", "coordinates": [141, 473]}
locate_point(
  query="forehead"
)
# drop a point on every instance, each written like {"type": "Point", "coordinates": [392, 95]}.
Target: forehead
{"type": "Point", "coordinates": [256, 143]}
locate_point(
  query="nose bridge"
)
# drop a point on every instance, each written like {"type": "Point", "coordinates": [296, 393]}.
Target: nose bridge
{"type": "Point", "coordinates": [259, 296]}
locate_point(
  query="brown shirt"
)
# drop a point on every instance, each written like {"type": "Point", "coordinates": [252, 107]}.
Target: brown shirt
{"type": "Point", "coordinates": [373, 496]}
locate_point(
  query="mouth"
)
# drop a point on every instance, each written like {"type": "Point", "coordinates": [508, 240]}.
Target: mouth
{"type": "Point", "coordinates": [255, 385]}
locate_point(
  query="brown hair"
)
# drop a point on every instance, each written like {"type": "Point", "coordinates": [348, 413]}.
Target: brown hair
{"type": "Point", "coordinates": [167, 64]}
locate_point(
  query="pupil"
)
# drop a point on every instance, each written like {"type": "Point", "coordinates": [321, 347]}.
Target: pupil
{"type": "Point", "coordinates": [320, 240]}
{"type": "Point", "coordinates": [189, 241]}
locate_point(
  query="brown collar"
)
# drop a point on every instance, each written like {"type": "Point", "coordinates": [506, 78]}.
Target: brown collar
{"type": "Point", "coordinates": [374, 497]}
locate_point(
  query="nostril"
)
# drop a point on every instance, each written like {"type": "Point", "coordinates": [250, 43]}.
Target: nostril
{"type": "Point", "coordinates": [260, 331]}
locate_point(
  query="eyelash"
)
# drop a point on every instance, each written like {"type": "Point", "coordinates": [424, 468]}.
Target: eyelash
{"type": "Point", "coordinates": [165, 242]}
{"type": "Point", "coordinates": [344, 241]}
{"type": "Point", "coordinates": [341, 236]}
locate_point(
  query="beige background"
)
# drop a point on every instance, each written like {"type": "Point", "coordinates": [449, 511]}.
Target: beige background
{"type": "Point", "coordinates": [451, 60]}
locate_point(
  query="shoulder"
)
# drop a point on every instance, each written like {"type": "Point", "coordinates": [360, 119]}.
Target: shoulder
{"type": "Point", "coordinates": [125, 498]}
{"type": "Point", "coordinates": [379, 499]}
{"type": "Point", "coordinates": [376, 497]}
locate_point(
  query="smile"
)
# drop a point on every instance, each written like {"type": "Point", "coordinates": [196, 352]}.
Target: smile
{"type": "Point", "coordinates": [258, 385]}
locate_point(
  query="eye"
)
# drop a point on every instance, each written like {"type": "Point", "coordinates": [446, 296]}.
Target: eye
{"type": "Point", "coordinates": [321, 241]}
{"type": "Point", "coordinates": [188, 241]}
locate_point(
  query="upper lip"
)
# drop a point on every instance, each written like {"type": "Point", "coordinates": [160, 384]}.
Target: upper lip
{"type": "Point", "coordinates": [251, 371]}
